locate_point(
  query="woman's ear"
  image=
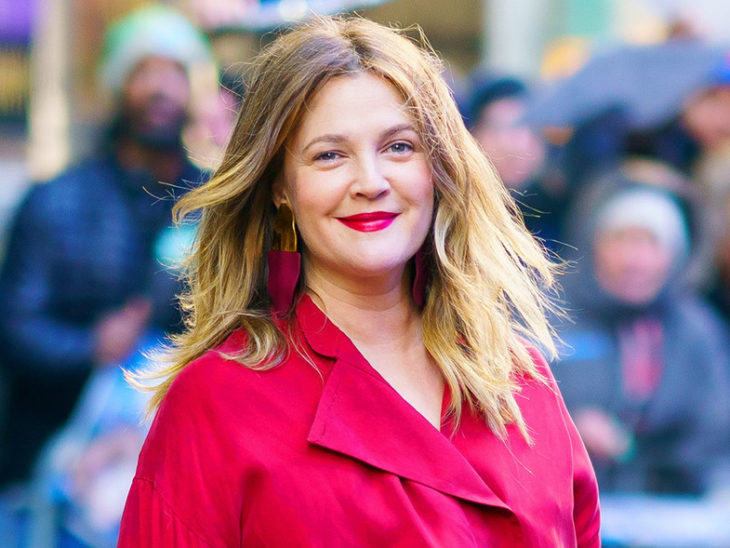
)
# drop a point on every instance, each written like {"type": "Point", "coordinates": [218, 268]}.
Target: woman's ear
{"type": "Point", "coordinates": [279, 191]}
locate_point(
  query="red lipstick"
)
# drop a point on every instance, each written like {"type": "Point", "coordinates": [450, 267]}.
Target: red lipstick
{"type": "Point", "coordinates": [369, 222]}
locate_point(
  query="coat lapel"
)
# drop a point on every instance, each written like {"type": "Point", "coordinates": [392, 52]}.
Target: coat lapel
{"type": "Point", "coordinates": [360, 415]}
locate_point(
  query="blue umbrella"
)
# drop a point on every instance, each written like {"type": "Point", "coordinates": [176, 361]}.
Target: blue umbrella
{"type": "Point", "coordinates": [648, 83]}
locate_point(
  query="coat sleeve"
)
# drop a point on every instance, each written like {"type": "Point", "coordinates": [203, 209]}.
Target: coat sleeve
{"type": "Point", "coordinates": [149, 521]}
{"type": "Point", "coordinates": [190, 482]}
{"type": "Point", "coordinates": [30, 332]}
{"type": "Point", "coordinates": [586, 510]}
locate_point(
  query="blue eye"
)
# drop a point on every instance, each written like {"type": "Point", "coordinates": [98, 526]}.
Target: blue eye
{"type": "Point", "coordinates": [327, 156]}
{"type": "Point", "coordinates": [400, 147]}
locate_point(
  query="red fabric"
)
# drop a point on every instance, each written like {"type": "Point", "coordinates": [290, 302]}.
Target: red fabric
{"type": "Point", "coordinates": [298, 457]}
{"type": "Point", "coordinates": [641, 345]}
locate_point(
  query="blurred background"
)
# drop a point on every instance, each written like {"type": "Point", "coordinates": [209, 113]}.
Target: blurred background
{"type": "Point", "coordinates": [608, 120]}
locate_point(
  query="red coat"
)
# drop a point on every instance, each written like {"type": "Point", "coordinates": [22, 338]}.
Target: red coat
{"type": "Point", "coordinates": [293, 458]}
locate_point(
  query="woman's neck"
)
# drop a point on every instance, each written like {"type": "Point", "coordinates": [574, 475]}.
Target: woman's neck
{"type": "Point", "coordinates": [372, 311]}
{"type": "Point", "coordinates": [380, 317]}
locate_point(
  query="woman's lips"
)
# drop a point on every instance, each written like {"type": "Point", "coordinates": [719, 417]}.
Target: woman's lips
{"type": "Point", "coordinates": [369, 222]}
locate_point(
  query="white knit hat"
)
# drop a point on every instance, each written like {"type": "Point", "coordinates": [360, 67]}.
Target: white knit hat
{"type": "Point", "coordinates": [154, 30]}
{"type": "Point", "coordinates": [655, 211]}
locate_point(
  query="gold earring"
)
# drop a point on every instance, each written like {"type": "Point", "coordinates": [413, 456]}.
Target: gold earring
{"type": "Point", "coordinates": [285, 233]}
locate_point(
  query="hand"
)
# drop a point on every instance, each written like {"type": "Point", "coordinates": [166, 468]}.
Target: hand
{"type": "Point", "coordinates": [101, 474]}
{"type": "Point", "coordinates": [118, 332]}
{"type": "Point", "coordinates": [603, 435]}
{"type": "Point", "coordinates": [119, 445]}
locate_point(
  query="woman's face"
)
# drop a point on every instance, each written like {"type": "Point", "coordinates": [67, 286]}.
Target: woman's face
{"type": "Point", "coordinates": [359, 181]}
{"type": "Point", "coordinates": [155, 101]}
{"type": "Point", "coordinates": [516, 151]}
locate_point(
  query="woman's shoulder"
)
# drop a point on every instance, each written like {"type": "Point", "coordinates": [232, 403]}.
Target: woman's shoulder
{"type": "Point", "coordinates": [214, 370]}
{"type": "Point", "coordinates": [222, 405]}
{"type": "Point", "coordinates": [543, 407]}
{"type": "Point", "coordinates": [215, 387]}
{"type": "Point", "coordinates": [218, 382]}
{"type": "Point", "coordinates": [199, 408]}
{"type": "Point", "coordinates": [232, 345]}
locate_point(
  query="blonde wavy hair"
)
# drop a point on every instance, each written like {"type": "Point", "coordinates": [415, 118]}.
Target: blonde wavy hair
{"type": "Point", "coordinates": [490, 279]}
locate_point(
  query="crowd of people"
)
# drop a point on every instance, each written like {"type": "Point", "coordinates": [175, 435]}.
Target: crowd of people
{"type": "Point", "coordinates": [637, 216]}
{"type": "Point", "coordinates": [644, 367]}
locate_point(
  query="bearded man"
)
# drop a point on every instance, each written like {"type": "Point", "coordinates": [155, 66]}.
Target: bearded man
{"type": "Point", "coordinates": [82, 279]}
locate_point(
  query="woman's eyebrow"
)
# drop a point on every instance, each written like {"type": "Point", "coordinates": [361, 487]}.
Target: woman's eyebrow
{"type": "Point", "coordinates": [326, 138]}
{"type": "Point", "coordinates": [397, 129]}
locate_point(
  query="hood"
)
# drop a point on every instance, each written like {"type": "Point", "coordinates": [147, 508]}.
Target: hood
{"type": "Point", "coordinates": [610, 202]}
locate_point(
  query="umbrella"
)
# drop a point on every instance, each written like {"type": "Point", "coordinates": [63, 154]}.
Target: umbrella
{"type": "Point", "coordinates": [648, 83]}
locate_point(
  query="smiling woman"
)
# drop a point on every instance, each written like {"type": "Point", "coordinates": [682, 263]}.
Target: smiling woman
{"type": "Point", "coordinates": [380, 390]}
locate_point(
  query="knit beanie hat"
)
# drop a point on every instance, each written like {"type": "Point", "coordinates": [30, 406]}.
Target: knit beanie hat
{"type": "Point", "coordinates": [153, 30]}
{"type": "Point", "coordinates": [655, 211]}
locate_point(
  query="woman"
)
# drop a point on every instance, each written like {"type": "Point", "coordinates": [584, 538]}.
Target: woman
{"type": "Point", "coordinates": [383, 394]}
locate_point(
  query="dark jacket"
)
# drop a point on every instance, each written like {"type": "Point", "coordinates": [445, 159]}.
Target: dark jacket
{"type": "Point", "coordinates": [681, 430]}
{"type": "Point", "coordinates": [81, 246]}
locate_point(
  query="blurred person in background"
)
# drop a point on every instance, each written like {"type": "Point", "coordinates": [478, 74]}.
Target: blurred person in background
{"type": "Point", "coordinates": [495, 114]}
{"type": "Point", "coordinates": [81, 283]}
{"type": "Point", "coordinates": [646, 372]}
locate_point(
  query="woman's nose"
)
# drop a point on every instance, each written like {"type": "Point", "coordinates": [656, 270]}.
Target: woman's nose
{"type": "Point", "coordinates": [370, 180]}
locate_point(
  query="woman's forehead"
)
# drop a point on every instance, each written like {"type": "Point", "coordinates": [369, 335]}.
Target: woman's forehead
{"type": "Point", "coordinates": [352, 102]}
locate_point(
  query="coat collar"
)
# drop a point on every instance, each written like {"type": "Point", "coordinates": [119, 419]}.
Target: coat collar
{"type": "Point", "coordinates": [360, 415]}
